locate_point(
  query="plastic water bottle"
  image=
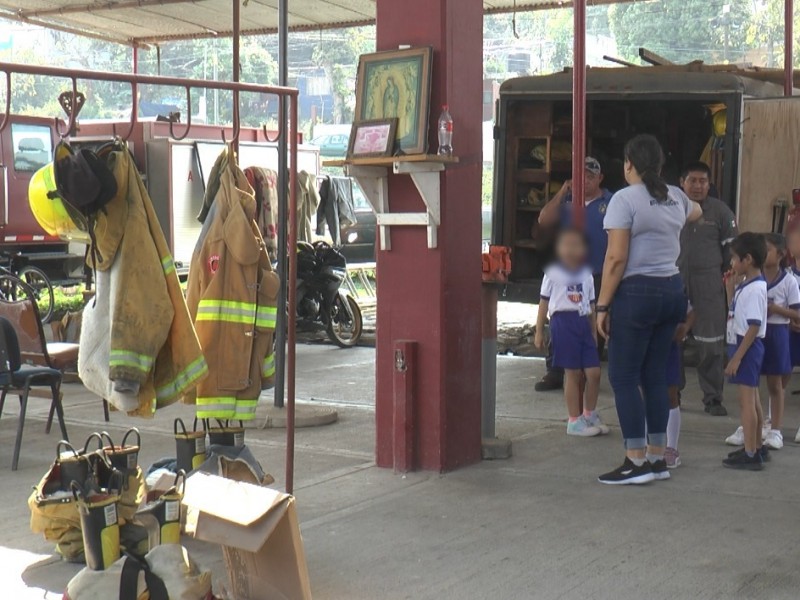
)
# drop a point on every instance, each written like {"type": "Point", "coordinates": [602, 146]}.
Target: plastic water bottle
{"type": "Point", "coordinates": [445, 132]}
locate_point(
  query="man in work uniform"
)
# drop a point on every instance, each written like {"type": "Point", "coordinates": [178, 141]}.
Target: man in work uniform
{"type": "Point", "coordinates": [559, 212]}
{"type": "Point", "coordinates": [704, 259]}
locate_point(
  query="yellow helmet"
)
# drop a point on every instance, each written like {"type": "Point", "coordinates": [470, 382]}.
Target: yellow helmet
{"type": "Point", "coordinates": [720, 123]}
{"type": "Point", "coordinates": [55, 215]}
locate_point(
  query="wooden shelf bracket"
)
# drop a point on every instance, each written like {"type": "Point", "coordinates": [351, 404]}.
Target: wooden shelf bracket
{"type": "Point", "coordinates": [374, 181]}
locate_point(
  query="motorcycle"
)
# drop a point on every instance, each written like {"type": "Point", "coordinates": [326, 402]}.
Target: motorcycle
{"type": "Point", "coordinates": [321, 300]}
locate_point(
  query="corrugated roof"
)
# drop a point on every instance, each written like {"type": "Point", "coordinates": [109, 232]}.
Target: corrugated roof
{"type": "Point", "coordinates": [151, 21]}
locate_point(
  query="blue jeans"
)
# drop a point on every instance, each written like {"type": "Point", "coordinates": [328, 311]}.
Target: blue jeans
{"type": "Point", "coordinates": [644, 315]}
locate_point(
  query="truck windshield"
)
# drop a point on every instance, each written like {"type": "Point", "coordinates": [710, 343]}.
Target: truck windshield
{"type": "Point", "coordinates": [32, 146]}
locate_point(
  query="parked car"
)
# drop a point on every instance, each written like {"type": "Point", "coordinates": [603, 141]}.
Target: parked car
{"type": "Point", "coordinates": [331, 146]}
{"type": "Point", "coordinates": [358, 241]}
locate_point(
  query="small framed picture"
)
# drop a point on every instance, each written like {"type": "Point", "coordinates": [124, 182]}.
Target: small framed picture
{"type": "Point", "coordinates": [375, 138]}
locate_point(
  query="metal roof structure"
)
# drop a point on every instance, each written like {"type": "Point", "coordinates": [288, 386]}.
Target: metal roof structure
{"type": "Point", "coordinates": [143, 22]}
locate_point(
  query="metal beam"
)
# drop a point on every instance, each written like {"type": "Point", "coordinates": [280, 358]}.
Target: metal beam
{"type": "Point", "coordinates": [283, 208]}
{"type": "Point", "coordinates": [94, 7]}
{"type": "Point", "coordinates": [579, 112]}
{"type": "Point", "coordinates": [788, 48]}
{"type": "Point", "coordinates": [236, 71]}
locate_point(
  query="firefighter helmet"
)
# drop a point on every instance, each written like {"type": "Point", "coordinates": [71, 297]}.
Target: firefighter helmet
{"type": "Point", "coordinates": [55, 214]}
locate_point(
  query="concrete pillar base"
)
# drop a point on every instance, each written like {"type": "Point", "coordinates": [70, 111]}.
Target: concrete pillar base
{"type": "Point", "coordinates": [495, 449]}
{"type": "Point", "coordinates": [306, 415]}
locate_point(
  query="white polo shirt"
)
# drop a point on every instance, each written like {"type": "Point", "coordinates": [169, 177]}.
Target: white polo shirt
{"type": "Point", "coordinates": [785, 292]}
{"type": "Point", "coordinates": [568, 291]}
{"type": "Point", "coordinates": [749, 307]}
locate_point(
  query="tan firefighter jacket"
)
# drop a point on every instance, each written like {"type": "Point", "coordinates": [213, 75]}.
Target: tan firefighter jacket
{"type": "Point", "coordinates": [232, 295]}
{"type": "Point", "coordinates": [138, 347]}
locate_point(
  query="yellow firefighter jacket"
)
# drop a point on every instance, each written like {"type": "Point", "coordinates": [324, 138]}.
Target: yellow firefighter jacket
{"type": "Point", "coordinates": [232, 295]}
{"type": "Point", "coordinates": [138, 349]}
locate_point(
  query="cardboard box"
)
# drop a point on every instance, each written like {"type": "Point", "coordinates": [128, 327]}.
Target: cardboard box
{"type": "Point", "coordinates": [258, 530]}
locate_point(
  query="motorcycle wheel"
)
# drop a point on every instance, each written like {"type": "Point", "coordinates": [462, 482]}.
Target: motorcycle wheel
{"type": "Point", "coordinates": [343, 334]}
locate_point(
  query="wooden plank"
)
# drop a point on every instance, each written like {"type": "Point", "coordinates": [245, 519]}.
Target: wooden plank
{"type": "Point", "coordinates": [388, 161]}
{"type": "Point", "coordinates": [770, 159]}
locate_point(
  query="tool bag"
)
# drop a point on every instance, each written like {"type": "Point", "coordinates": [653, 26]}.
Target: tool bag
{"type": "Point", "coordinates": [190, 446]}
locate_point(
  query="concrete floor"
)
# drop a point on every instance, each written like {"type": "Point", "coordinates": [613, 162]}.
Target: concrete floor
{"type": "Point", "coordinates": [536, 526]}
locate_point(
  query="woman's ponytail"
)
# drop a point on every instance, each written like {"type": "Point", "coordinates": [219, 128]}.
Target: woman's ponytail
{"type": "Point", "coordinates": [656, 186]}
{"type": "Point", "coordinates": [645, 154]}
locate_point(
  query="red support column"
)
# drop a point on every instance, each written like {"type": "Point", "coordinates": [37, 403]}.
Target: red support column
{"type": "Point", "coordinates": [433, 296]}
{"type": "Point", "coordinates": [579, 110]}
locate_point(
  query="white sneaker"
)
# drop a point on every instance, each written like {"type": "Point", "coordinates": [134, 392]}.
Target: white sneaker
{"type": "Point", "coordinates": [765, 429]}
{"type": "Point", "coordinates": [737, 438]}
{"type": "Point", "coordinates": [774, 439]}
{"type": "Point", "coordinates": [581, 428]}
{"type": "Point", "coordinates": [595, 421]}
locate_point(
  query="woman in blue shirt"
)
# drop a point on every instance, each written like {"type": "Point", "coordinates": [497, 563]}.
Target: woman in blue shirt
{"type": "Point", "coordinates": [641, 304]}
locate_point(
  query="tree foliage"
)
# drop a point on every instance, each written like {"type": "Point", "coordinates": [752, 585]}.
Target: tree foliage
{"type": "Point", "coordinates": [683, 30]}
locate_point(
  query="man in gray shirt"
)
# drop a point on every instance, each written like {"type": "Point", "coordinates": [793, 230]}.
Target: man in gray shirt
{"type": "Point", "coordinates": [703, 261]}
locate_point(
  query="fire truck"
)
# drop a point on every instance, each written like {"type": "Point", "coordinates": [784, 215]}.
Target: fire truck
{"type": "Point", "coordinates": [175, 173]}
{"type": "Point", "coordinates": [735, 119]}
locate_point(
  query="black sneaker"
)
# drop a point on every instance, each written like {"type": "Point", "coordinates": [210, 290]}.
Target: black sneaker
{"type": "Point", "coordinates": [715, 409]}
{"type": "Point", "coordinates": [660, 470]}
{"type": "Point", "coordinates": [549, 383]}
{"type": "Point", "coordinates": [629, 474]}
{"type": "Point", "coordinates": [740, 460]}
{"type": "Point", "coordinates": [766, 456]}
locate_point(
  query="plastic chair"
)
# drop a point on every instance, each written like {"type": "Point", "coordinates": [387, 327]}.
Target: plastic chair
{"type": "Point", "coordinates": [34, 347]}
{"type": "Point", "coordinates": [14, 376]}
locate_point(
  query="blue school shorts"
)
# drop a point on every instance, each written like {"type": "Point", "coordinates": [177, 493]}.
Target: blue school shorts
{"type": "Point", "coordinates": [674, 365]}
{"type": "Point", "coordinates": [777, 360]}
{"type": "Point", "coordinates": [794, 347]}
{"type": "Point", "coordinates": [573, 343]}
{"type": "Point", "coordinates": [749, 371]}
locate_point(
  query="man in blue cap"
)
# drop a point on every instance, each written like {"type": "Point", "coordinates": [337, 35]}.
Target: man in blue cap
{"type": "Point", "coordinates": [559, 212]}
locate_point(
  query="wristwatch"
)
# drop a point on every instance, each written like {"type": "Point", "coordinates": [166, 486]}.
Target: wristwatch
{"type": "Point", "coordinates": [601, 308]}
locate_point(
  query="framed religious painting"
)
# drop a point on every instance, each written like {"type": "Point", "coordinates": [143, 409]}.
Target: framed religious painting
{"type": "Point", "coordinates": [397, 84]}
{"type": "Point", "coordinates": [372, 138]}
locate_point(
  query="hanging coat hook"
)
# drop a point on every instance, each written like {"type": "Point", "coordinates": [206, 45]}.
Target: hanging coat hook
{"type": "Point", "coordinates": [272, 140]}
{"type": "Point", "coordinates": [7, 113]}
{"type": "Point", "coordinates": [134, 108]}
{"type": "Point", "coordinates": [173, 117]}
{"type": "Point", "coordinates": [237, 123]}
{"type": "Point", "coordinates": [71, 103]}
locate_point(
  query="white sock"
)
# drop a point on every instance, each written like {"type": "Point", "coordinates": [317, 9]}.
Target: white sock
{"type": "Point", "coordinates": [674, 428]}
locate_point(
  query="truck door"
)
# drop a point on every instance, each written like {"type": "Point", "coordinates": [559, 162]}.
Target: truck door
{"type": "Point", "coordinates": [769, 161]}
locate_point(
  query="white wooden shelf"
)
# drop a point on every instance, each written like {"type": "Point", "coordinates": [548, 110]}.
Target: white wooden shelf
{"type": "Point", "coordinates": [373, 177]}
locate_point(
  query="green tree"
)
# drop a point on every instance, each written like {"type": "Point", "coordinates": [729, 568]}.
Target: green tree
{"type": "Point", "coordinates": [766, 30]}
{"type": "Point", "coordinates": [683, 30]}
{"type": "Point", "coordinates": [339, 59]}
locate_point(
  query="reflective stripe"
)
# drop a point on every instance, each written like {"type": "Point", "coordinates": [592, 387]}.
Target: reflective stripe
{"type": "Point", "coordinates": [168, 265]}
{"type": "Point", "coordinates": [126, 358]}
{"type": "Point", "coordinates": [709, 340]}
{"type": "Point", "coordinates": [183, 381]}
{"type": "Point", "coordinates": [237, 312]}
{"type": "Point", "coordinates": [216, 408]}
{"type": "Point", "coordinates": [268, 368]}
{"type": "Point", "coordinates": [245, 410]}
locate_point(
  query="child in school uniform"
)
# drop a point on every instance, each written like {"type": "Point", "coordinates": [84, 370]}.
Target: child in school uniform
{"type": "Point", "coordinates": [567, 298]}
{"type": "Point", "coordinates": [783, 302]}
{"type": "Point", "coordinates": [674, 360]}
{"type": "Point", "coordinates": [793, 243]}
{"type": "Point", "coordinates": [747, 326]}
